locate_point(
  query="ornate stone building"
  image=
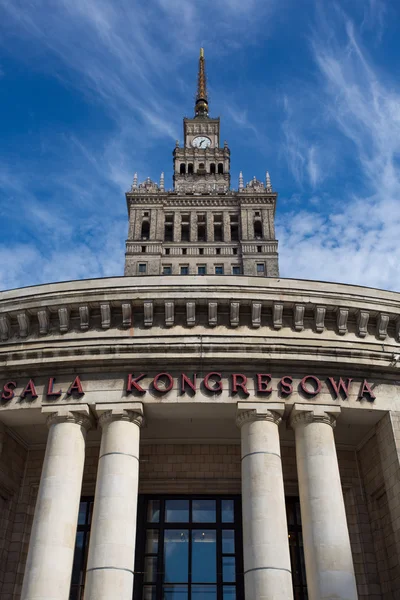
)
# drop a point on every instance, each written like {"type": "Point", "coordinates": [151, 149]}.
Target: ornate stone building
{"type": "Point", "coordinates": [210, 435]}
{"type": "Point", "coordinates": [201, 226]}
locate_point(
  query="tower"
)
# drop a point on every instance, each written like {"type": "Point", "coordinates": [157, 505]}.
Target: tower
{"type": "Point", "coordinates": [201, 226]}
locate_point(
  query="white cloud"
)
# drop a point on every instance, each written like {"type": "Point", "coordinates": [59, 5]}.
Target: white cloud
{"type": "Point", "coordinates": [359, 241]}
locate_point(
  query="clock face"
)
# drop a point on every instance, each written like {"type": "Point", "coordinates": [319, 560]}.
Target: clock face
{"type": "Point", "coordinates": [201, 142]}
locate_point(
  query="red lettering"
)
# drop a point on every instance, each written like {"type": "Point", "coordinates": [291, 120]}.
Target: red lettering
{"type": "Point", "coordinates": [8, 391]}
{"type": "Point", "coordinates": [50, 389]}
{"type": "Point", "coordinates": [186, 381]}
{"type": "Point", "coordinates": [340, 387]}
{"type": "Point", "coordinates": [239, 381]}
{"type": "Point", "coordinates": [366, 389]}
{"type": "Point", "coordinates": [311, 392]}
{"type": "Point", "coordinates": [218, 384]}
{"type": "Point", "coordinates": [76, 387]}
{"type": "Point", "coordinates": [170, 385]}
{"type": "Point", "coordinates": [262, 385]}
{"type": "Point", "coordinates": [286, 385]}
{"type": "Point", "coordinates": [133, 383]}
{"type": "Point", "coordinates": [30, 389]}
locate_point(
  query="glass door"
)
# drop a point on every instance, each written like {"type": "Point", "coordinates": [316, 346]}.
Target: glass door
{"type": "Point", "coordinates": [189, 548]}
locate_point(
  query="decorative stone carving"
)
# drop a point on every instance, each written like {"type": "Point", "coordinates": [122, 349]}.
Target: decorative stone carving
{"type": "Point", "coordinates": [44, 320]}
{"type": "Point", "coordinates": [277, 315]}
{"type": "Point", "coordinates": [362, 322]}
{"type": "Point", "coordinates": [235, 308]}
{"type": "Point", "coordinates": [255, 186]}
{"type": "Point", "coordinates": [319, 316]}
{"type": "Point", "coordinates": [63, 317]}
{"type": "Point", "coordinates": [84, 315]}
{"type": "Point", "coordinates": [169, 314]}
{"type": "Point", "coordinates": [342, 316]}
{"type": "Point", "coordinates": [298, 316]}
{"type": "Point", "coordinates": [23, 323]}
{"type": "Point", "coordinates": [5, 327]}
{"type": "Point", "coordinates": [105, 312]}
{"type": "Point", "coordinates": [148, 186]}
{"type": "Point", "coordinates": [191, 314]}
{"type": "Point", "coordinates": [148, 313]}
{"type": "Point", "coordinates": [213, 314]}
{"type": "Point", "coordinates": [126, 314]}
{"type": "Point", "coordinates": [382, 325]}
{"type": "Point", "coordinates": [256, 314]}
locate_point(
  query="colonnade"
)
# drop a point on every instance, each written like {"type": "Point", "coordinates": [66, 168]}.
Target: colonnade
{"type": "Point", "coordinates": [110, 565]}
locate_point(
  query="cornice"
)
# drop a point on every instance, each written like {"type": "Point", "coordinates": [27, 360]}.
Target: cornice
{"type": "Point", "coordinates": [127, 316]}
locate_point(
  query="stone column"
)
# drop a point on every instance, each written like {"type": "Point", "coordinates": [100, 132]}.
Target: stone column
{"type": "Point", "coordinates": [329, 562]}
{"type": "Point", "coordinates": [52, 543]}
{"type": "Point", "coordinates": [111, 557]}
{"type": "Point", "coordinates": [267, 571]}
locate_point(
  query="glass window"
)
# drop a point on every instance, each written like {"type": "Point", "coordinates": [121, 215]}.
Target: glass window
{"type": "Point", "coordinates": [201, 270]}
{"type": "Point", "coordinates": [142, 268]}
{"type": "Point", "coordinates": [191, 551]}
{"type": "Point", "coordinates": [184, 270]}
{"type": "Point", "coordinates": [235, 270]}
{"type": "Point", "coordinates": [167, 270]}
{"type": "Point", "coordinates": [177, 511]}
{"type": "Point", "coordinates": [228, 515]}
{"type": "Point", "coordinates": [260, 268]}
{"type": "Point", "coordinates": [176, 555]}
{"type": "Point", "coordinates": [204, 556]}
{"type": "Point", "coordinates": [204, 511]}
{"type": "Point", "coordinates": [219, 270]}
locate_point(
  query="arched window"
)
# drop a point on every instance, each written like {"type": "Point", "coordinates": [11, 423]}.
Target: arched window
{"type": "Point", "coordinates": [145, 230]}
{"type": "Point", "coordinates": [212, 168]}
{"type": "Point", "coordinates": [190, 168]}
{"type": "Point", "coordinates": [183, 169]}
{"type": "Point", "coordinates": [258, 230]}
{"type": "Point", "coordinates": [220, 168]}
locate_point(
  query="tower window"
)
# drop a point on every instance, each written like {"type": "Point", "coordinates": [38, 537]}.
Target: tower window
{"type": "Point", "coordinates": [201, 228]}
{"type": "Point", "coordinates": [185, 228]}
{"type": "Point", "coordinates": [143, 248]}
{"type": "Point", "coordinates": [218, 228]}
{"type": "Point", "coordinates": [183, 169]}
{"type": "Point", "coordinates": [169, 228]}
{"type": "Point", "coordinates": [236, 270]}
{"type": "Point", "coordinates": [145, 230]}
{"type": "Point", "coordinates": [185, 270]}
{"type": "Point", "coordinates": [234, 228]}
{"type": "Point", "coordinates": [142, 268]}
{"type": "Point", "coordinates": [190, 168]}
{"type": "Point", "coordinates": [184, 250]}
{"type": "Point", "coordinates": [167, 270]}
{"type": "Point", "coordinates": [260, 268]}
{"type": "Point", "coordinates": [257, 230]}
{"type": "Point", "coordinates": [201, 270]}
{"type": "Point", "coordinates": [219, 270]}
{"type": "Point", "coordinates": [220, 168]}
{"type": "Point", "coordinates": [259, 248]}
{"type": "Point", "coordinates": [201, 251]}
{"type": "Point", "coordinates": [235, 250]}
{"type": "Point", "coordinates": [218, 250]}
{"type": "Point", "coordinates": [167, 251]}
{"type": "Point", "coordinates": [212, 168]}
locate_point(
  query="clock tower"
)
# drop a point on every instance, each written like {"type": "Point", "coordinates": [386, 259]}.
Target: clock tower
{"type": "Point", "coordinates": [201, 165]}
{"type": "Point", "coordinates": [201, 226]}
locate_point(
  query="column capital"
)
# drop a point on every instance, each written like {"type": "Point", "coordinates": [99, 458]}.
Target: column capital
{"type": "Point", "coordinates": [248, 412]}
{"type": "Point", "coordinates": [302, 414]}
{"type": "Point", "coordinates": [127, 411]}
{"type": "Point", "coordinates": [71, 413]}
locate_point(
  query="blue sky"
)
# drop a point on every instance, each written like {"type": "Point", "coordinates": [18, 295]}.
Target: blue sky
{"type": "Point", "coordinates": [93, 90]}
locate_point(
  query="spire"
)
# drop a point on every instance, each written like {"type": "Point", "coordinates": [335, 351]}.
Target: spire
{"type": "Point", "coordinates": [201, 107]}
{"type": "Point", "coordinates": [268, 182]}
{"type": "Point", "coordinates": [135, 182]}
{"type": "Point", "coordinates": [241, 186]}
{"type": "Point", "coordinates": [162, 182]}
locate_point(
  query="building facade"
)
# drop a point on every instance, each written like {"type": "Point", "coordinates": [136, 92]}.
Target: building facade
{"type": "Point", "coordinates": [200, 428]}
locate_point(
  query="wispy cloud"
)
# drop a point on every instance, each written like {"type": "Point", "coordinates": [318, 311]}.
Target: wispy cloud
{"type": "Point", "coordinates": [358, 242]}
